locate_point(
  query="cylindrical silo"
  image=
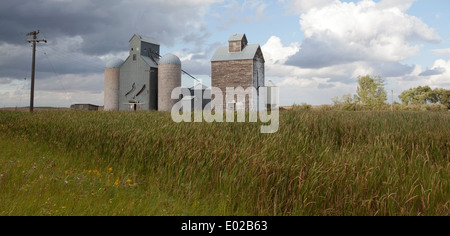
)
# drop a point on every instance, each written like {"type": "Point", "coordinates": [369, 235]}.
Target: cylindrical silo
{"type": "Point", "coordinates": [169, 78]}
{"type": "Point", "coordinates": [112, 77]}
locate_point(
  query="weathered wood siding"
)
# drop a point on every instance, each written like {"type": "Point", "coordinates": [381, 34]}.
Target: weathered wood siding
{"type": "Point", "coordinates": [232, 74]}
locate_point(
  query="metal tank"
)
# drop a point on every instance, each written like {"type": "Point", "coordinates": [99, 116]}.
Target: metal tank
{"type": "Point", "coordinates": [112, 81]}
{"type": "Point", "coordinates": [169, 78]}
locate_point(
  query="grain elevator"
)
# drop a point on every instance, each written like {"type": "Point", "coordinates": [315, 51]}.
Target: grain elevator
{"type": "Point", "coordinates": [143, 80]}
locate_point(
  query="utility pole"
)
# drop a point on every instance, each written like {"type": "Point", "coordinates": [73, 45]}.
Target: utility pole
{"type": "Point", "coordinates": [33, 65]}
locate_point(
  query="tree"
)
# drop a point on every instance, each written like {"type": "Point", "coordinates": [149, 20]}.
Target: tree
{"type": "Point", "coordinates": [445, 99]}
{"type": "Point", "coordinates": [416, 96]}
{"type": "Point", "coordinates": [435, 96]}
{"type": "Point", "coordinates": [345, 100]}
{"type": "Point", "coordinates": [441, 96]}
{"type": "Point", "coordinates": [371, 91]}
{"type": "Point", "coordinates": [423, 95]}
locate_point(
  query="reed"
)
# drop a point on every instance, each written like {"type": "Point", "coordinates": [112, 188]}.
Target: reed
{"type": "Point", "coordinates": [318, 163]}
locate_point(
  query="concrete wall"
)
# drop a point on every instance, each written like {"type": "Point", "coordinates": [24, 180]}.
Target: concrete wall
{"type": "Point", "coordinates": [169, 77]}
{"type": "Point", "coordinates": [112, 76]}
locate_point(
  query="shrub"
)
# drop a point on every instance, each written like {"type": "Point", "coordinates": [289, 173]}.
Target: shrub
{"type": "Point", "coordinates": [302, 107]}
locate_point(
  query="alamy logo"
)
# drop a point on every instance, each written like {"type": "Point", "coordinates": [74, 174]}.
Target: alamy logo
{"type": "Point", "coordinates": [235, 104]}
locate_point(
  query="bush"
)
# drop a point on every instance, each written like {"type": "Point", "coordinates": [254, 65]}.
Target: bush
{"type": "Point", "coordinates": [302, 107]}
{"type": "Point", "coordinates": [325, 108]}
{"type": "Point", "coordinates": [395, 107]}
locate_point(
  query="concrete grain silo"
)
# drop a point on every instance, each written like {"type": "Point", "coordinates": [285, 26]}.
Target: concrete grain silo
{"type": "Point", "coordinates": [112, 81]}
{"type": "Point", "coordinates": [169, 78]}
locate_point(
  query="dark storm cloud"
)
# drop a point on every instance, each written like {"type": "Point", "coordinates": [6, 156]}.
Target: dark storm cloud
{"type": "Point", "coordinates": [53, 18]}
{"type": "Point", "coordinates": [83, 34]}
{"type": "Point", "coordinates": [15, 60]}
{"type": "Point", "coordinates": [61, 83]}
{"type": "Point", "coordinates": [103, 24]}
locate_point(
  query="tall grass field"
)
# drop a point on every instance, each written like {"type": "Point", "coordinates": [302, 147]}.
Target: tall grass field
{"type": "Point", "coordinates": [318, 163]}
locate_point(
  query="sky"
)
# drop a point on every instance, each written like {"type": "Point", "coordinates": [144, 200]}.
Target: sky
{"type": "Point", "coordinates": [314, 50]}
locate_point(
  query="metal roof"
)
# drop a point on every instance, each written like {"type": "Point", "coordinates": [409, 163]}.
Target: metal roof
{"type": "Point", "coordinates": [223, 54]}
{"type": "Point", "coordinates": [114, 63]}
{"type": "Point", "coordinates": [170, 59]}
{"type": "Point", "coordinates": [145, 39]}
{"type": "Point", "coordinates": [198, 86]}
{"type": "Point", "coordinates": [149, 40]}
{"type": "Point", "coordinates": [150, 62]}
{"type": "Point", "coordinates": [270, 83]}
{"type": "Point", "coordinates": [236, 37]}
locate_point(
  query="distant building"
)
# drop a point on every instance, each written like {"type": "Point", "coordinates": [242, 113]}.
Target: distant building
{"type": "Point", "coordinates": [85, 107]}
{"type": "Point", "coordinates": [200, 96]}
{"type": "Point", "coordinates": [238, 65]}
{"type": "Point", "coordinates": [143, 80]}
{"type": "Point", "coordinates": [273, 96]}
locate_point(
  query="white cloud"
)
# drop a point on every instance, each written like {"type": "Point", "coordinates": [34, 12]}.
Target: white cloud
{"type": "Point", "coordinates": [318, 85]}
{"type": "Point", "coordinates": [442, 52]}
{"type": "Point", "coordinates": [341, 33]}
{"type": "Point", "coordinates": [276, 53]}
{"type": "Point", "coordinates": [439, 79]}
{"type": "Point", "coordinates": [436, 77]}
{"type": "Point", "coordinates": [403, 5]}
{"type": "Point", "coordinates": [302, 6]}
{"type": "Point", "coordinates": [298, 85]}
{"type": "Point", "coordinates": [343, 40]}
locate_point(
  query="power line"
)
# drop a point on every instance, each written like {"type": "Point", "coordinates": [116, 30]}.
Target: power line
{"type": "Point", "coordinates": [54, 71]}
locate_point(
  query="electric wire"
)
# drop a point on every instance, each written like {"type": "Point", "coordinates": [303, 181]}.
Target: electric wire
{"type": "Point", "coordinates": [56, 75]}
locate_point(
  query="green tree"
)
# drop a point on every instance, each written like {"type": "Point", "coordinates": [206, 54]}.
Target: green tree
{"type": "Point", "coordinates": [345, 100]}
{"type": "Point", "coordinates": [441, 96]}
{"type": "Point", "coordinates": [371, 91]}
{"type": "Point", "coordinates": [416, 96]}
{"type": "Point", "coordinates": [445, 99]}
{"type": "Point", "coordinates": [424, 94]}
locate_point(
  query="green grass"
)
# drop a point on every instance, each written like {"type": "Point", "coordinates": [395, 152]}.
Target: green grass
{"type": "Point", "coordinates": [318, 163]}
{"type": "Point", "coordinates": [38, 180]}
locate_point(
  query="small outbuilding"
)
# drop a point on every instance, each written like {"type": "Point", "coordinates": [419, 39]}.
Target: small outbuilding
{"type": "Point", "coordinates": [84, 107]}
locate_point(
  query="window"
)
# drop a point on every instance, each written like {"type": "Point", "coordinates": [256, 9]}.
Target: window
{"type": "Point", "coordinates": [134, 57]}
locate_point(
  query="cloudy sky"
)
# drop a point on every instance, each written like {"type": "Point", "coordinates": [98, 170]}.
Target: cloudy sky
{"type": "Point", "coordinates": [314, 50]}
